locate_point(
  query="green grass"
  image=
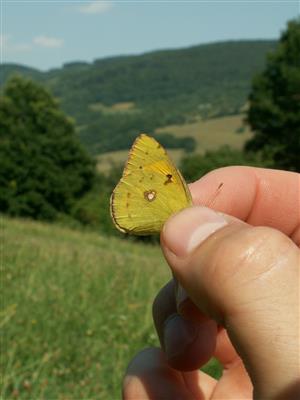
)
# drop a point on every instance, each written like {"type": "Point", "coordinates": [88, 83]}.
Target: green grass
{"type": "Point", "coordinates": [75, 308]}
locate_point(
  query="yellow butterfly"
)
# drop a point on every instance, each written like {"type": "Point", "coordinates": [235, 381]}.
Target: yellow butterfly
{"type": "Point", "coordinates": [150, 190]}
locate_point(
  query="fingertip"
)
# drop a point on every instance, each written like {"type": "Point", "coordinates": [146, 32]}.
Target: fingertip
{"type": "Point", "coordinates": [251, 194]}
{"type": "Point", "coordinates": [186, 230]}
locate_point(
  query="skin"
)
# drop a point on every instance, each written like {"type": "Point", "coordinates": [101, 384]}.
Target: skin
{"type": "Point", "coordinates": [234, 295]}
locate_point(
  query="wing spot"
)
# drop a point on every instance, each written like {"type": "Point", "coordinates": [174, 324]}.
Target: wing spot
{"type": "Point", "coordinates": [150, 195]}
{"type": "Point", "coordinates": [140, 167]}
{"type": "Point", "coordinates": [169, 179]}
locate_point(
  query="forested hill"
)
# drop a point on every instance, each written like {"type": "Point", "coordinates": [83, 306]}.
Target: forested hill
{"type": "Point", "coordinates": [152, 89]}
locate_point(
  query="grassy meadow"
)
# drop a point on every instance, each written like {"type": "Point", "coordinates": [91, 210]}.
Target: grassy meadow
{"type": "Point", "coordinates": [209, 134]}
{"type": "Point", "coordinates": [122, 107]}
{"type": "Point", "coordinates": [76, 306]}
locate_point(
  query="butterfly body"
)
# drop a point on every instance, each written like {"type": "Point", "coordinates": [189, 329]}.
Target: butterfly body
{"type": "Point", "coordinates": [150, 190]}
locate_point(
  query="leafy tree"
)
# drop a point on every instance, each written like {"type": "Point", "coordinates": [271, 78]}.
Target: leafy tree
{"type": "Point", "coordinates": [170, 141]}
{"type": "Point", "coordinates": [43, 168]}
{"type": "Point", "coordinates": [92, 209]}
{"type": "Point", "coordinates": [274, 112]}
{"type": "Point", "coordinates": [195, 166]}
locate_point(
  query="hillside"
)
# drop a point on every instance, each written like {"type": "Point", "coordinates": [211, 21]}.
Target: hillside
{"type": "Point", "coordinates": [76, 307]}
{"type": "Point", "coordinates": [162, 87]}
{"type": "Point", "coordinates": [209, 134]}
{"type": "Point", "coordinates": [68, 294]}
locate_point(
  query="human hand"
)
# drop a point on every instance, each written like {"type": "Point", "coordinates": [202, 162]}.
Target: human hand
{"type": "Point", "coordinates": [240, 301]}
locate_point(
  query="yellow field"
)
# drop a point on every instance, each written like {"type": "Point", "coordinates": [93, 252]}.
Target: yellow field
{"type": "Point", "coordinates": [213, 133]}
{"type": "Point", "coordinates": [123, 107]}
{"type": "Point", "coordinates": [209, 135]}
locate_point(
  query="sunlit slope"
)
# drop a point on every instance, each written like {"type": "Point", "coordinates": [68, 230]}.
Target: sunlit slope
{"type": "Point", "coordinates": [212, 133]}
{"type": "Point", "coordinates": [209, 135]}
{"type": "Point", "coordinates": [77, 306]}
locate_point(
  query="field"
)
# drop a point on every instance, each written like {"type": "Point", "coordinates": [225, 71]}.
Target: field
{"type": "Point", "coordinates": [209, 135]}
{"type": "Point", "coordinates": [212, 133]}
{"type": "Point", "coordinates": [107, 160]}
{"type": "Point", "coordinates": [124, 107]}
{"type": "Point", "coordinates": [76, 306]}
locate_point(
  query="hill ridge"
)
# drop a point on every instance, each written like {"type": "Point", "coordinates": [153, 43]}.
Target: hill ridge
{"type": "Point", "coordinates": [164, 87]}
{"type": "Point", "coordinates": [132, 55]}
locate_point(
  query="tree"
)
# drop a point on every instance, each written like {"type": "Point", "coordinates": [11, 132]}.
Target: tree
{"type": "Point", "coordinates": [274, 112]}
{"type": "Point", "coordinates": [195, 166]}
{"type": "Point", "coordinates": [43, 168]}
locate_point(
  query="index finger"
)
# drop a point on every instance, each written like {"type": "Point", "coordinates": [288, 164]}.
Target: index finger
{"type": "Point", "coordinates": [256, 195]}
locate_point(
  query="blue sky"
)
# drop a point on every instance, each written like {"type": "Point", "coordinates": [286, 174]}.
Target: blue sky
{"type": "Point", "coordinates": [47, 33]}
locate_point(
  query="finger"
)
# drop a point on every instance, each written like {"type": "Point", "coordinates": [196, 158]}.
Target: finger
{"type": "Point", "coordinates": [190, 339]}
{"type": "Point", "coordinates": [189, 342]}
{"type": "Point", "coordinates": [150, 377]}
{"type": "Point", "coordinates": [224, 350]}
{"type": "Point", "coordinates": [234, 384]}
{"type": "Point", "coordinates": [255, 195]}
{"type": "Point", "coordinates": [164, 306]}
{"type": "Point", "coordinates": [235, 379]}
{"type": "Point", "coordinates": [247, 279]}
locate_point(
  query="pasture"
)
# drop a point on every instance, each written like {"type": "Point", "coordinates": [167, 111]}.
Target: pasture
{"type": "Point", "coordinates": [76, 306]}
{"type": "Point", "coordinates": [209, 134]}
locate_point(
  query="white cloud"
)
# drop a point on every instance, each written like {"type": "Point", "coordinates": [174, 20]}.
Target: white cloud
{"type": "Point", "coordinates": [46, 41]}
{"type": "Point", "coordinates": [96, 7]}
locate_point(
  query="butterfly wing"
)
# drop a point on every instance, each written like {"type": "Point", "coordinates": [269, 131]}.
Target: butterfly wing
{"type": "Point", "coordinates": [150, 190]}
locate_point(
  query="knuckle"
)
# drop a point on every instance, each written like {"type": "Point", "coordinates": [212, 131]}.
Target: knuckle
{"type": "Point", "coordinates": [263, 241]}
{"type": "Point", "coordinates": [253, 249]}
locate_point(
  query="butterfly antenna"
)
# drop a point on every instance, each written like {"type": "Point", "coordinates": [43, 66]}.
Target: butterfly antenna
{"type": "Point", "coordinates": [212, 200]}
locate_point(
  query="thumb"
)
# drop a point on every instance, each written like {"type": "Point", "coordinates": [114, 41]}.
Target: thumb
{"type": "Point", "coordinates": [247, 279]}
